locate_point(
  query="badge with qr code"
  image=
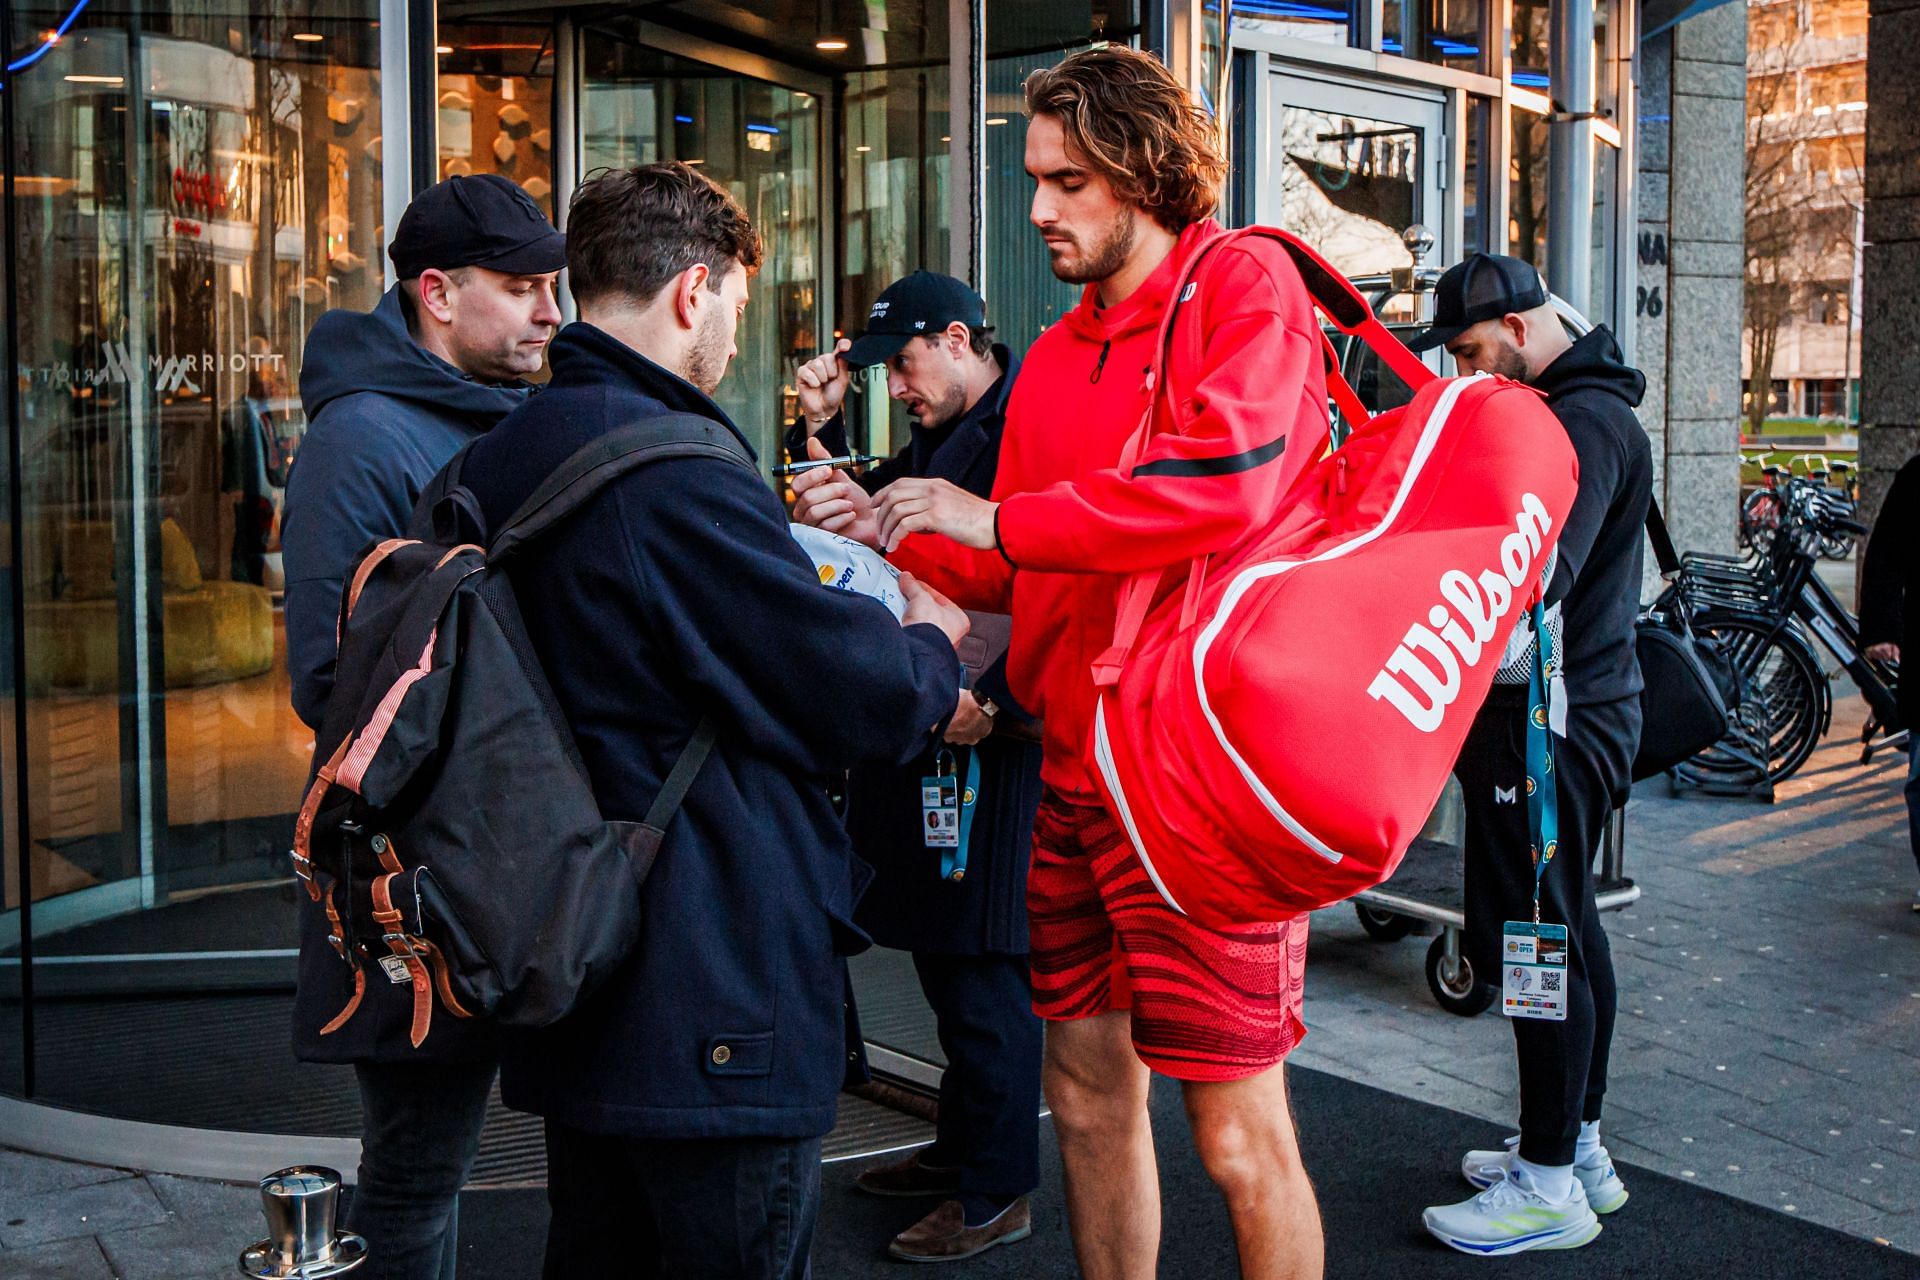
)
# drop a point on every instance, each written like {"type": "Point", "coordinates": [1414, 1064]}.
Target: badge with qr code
{"type": "Point", "coordinates": [1533, 970]}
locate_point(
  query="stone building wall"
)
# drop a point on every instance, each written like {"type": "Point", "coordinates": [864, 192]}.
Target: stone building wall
{"type": "Point", "coordinates": [1692, 222]}
{"type": "Point", "coordinates": [1890, 273]}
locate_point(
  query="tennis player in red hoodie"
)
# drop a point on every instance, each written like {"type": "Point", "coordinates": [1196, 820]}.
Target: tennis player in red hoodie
{"type": "Point", "coordinates": [1126, 175]}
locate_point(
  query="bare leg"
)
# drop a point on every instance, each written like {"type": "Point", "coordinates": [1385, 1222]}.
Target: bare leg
{"type": "Point", "coordinates": [1244, 1133]}
{"type": "Point", "coordinates": [1097, 1088]}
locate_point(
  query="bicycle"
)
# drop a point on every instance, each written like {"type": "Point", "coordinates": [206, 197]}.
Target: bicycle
{"type": "Point", "coordinates": [1767, 609]}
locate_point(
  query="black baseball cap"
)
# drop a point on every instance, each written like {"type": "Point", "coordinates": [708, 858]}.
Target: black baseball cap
{"type": "Point", "coordinates": [913, 307]}
{"type": "Point", "coordinates": [480, 221]}
{"type": "Point", "coordinates": [1485, 286]}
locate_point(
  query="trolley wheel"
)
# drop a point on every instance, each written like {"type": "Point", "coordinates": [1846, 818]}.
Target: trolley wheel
{"type": "Point", "coordinates": [1458, 991]}
{"type": "Point", "coordinates": [1383, 925]}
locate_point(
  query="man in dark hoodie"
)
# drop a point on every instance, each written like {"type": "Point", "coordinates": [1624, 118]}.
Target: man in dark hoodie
{"type": "Point", "coordinates": [390, 396]}
{"type": "Point", "coordinates": [1546, 1188]}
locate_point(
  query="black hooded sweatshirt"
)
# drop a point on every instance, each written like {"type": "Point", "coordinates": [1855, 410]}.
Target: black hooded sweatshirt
{"type": "Point", "coordinates": [1597, 581]}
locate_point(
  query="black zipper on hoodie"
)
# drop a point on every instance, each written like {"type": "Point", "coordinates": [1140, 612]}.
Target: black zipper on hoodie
{"type": "Point", "coordinates": [1101, 363]}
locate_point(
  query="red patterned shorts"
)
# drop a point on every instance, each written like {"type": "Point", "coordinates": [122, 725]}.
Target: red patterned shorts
{"type": "Point", "coordinates": [1206, 1004]}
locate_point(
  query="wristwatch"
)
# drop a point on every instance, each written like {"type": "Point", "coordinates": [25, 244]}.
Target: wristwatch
{"type": "Point", "coordinates": [987, 705]}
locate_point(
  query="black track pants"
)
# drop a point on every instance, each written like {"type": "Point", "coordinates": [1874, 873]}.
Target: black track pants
{"type": "Point", "coordinates": [1563, 1065]}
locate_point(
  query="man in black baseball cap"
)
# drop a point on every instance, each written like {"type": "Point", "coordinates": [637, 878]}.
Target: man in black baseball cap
{"type": "Point", "coordinates": [390, 395]}
{"type": "Point", "coordinates": [968, 932]}
{"type": "Point", "coordinates": [1486, 286]}
{"type": "Point", "coordinates": [1545, 1188]}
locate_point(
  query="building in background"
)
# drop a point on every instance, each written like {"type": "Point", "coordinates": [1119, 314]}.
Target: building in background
{"type": "Point", "coordinates": [187, 190]}
{"type": "Point", "coordinates": [1806, 196]}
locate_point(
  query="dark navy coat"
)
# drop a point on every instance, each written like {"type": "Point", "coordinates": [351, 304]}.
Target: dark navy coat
{"type": "Point", "coordinates": [676, 593]}
{"type": "Point", "coordinates": [384, 414]}
{"type": "Point", "coordinates": [909, 906]}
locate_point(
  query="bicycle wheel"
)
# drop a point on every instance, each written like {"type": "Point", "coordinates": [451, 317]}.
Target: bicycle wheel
{"type": "Point", "coordinates": [1760, 519]}
{"type": "Point", "coordinates": [1784, 709]}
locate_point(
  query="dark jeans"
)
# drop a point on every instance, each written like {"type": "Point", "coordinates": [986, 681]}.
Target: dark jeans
{"type": "Point", "coordinates": [680, 1208]}
{"type": "Point", "coordinates": [990, 1091]}
{"type": "Point", "coordinates": [420, 1130]}
{"type": "Point", "coordinates": [1563, 1065]}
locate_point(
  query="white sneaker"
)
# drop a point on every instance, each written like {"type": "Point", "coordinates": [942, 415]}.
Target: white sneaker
{"type": "Point", "coordinates": [1511, 1217]}
{"type": "Point", "coordinates": [1605, 1191]}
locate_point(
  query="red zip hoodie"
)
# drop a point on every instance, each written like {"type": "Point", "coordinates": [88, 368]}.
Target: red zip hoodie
{"type": "Point", "coordinates": [1250, 414]}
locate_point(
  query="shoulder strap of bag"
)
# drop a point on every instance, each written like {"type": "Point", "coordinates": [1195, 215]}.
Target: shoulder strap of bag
{"type": "Point", "coordinates": [1336, 298]}
{"type": "Point", "coordinates": [594, 466]}
{"type": "Point", "coordinates": [604, 460]}
{"type": "Point", "coordinates": [1663, 552]}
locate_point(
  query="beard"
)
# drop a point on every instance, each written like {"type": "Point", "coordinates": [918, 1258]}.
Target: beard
{"type": "Point", "coordinates": [1509, 363]}
{"type": "Point", "coordinates": [1104, 258]}
{"type": "Point", "coordinates": [951, 403]}
{"type": "Point", "coordinates": [707, 359]}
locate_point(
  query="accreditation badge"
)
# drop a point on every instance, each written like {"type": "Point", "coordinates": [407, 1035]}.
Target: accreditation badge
{"type": "Point", "coordinates": [940, 811]}
{"type": "Point", "coordinates": [1533, 970]}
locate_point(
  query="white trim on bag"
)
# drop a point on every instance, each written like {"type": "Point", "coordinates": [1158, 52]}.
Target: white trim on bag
{"type": "Point", "coordinates": [1103, 757]}
{"type": "Point", "coordinates": [1246, 578]}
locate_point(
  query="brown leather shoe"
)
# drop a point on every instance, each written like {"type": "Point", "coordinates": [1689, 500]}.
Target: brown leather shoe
{"type": "Point", "coordinates": [909, 1178]}
{"type": "Point", "coordinates": [944, 1236]}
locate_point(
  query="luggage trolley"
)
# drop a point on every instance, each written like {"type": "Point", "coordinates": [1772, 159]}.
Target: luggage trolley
{"type": "Point", "coordinates": [1429, 890]}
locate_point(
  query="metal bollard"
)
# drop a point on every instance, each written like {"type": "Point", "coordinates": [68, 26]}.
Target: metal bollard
{"type": "Point", "coordinates": [301, 1203]}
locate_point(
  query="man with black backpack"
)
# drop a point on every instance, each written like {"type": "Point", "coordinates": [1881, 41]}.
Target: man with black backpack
{"type": "Point", "coordinates": [686, 1096]}
{"type": "Point", "coordinates": [389, 397]}
{"type": "Point", "coordinates": [1545, 1189]}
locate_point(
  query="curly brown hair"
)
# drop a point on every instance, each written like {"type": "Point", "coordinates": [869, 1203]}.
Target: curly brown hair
{"type": "Point", "coordinates": [1136, 127]}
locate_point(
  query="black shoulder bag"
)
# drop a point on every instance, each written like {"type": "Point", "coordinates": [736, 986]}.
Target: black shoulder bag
{"type": "Point", "coordinates": [1691, 683]}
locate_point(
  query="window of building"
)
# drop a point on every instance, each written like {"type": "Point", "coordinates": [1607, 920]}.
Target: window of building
{"type": "Point", "coordinates": [1839, 19]}
{"type": "Point", "coordinates": [496, 104]}
{"type": "Point", "coordinates": [1023, 297]}
{"type": "Point", "coordinates": [195, 186]}
{"type": "Point", "coordinates": [1773, 26]}
{"type": "Point", "coordinates": [1840, 88]}
{"type": "Point", "coordinates": [1532, 37]}
{"type": "Point", "coordinates": [1443, 31]}
{"type": "Point", "coordinates": [1829, 302]}
{"type": "Point", "coordinates": [1527, 178]}
{"type": "Point", "coordinates": [1321, 21]}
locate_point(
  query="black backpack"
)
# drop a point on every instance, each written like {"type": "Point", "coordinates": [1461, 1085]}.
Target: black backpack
{"type": "Point", "coordinates": [449, 830]}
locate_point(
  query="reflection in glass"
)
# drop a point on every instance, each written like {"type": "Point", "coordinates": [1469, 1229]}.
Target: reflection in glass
{"type": "Point", "coordinates": [1606, 169]}
{"type": "Point", "coordinates": [1527, 188]}
{"type": "Point", "coordinates": [1023, 297]}
{"type": "Point", "coordinates": [496, 104]}
{"type": "Point", "coordinates": [1322, 21]}
{"type": "Point", "coordinates": [759, 141]}
{"type": "Point", "coordinates": [193, 188]}
{"type": "Point", "coordinates": [1532, 33]}
{"type": "Point", "coordinates": [1350, 186]}
{"type": "Point", "coordinates": [1442, 31]}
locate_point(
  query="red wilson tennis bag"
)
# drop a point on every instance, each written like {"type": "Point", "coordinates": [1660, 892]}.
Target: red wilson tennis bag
{"type": "Point", "coordinates": [1274, 735]}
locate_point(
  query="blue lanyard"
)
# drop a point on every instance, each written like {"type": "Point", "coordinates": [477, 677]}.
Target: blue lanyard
{"type": "Point", "coordinates": [1543, 799]}
{"type": "Point", "coordinates": [953, 862]}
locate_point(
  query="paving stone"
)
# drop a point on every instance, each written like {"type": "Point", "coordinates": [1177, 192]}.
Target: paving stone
{"type": "Point", "coordinates": [1880, 1178]}
{"type": "Point", "coordinates": [77, 1211]}
{"type": "Point", "coordinates": [191, 1198]}
{"type": "Point", "coordinates": [23, 1174]}
{"type": "Point", "coordinates": [177, 1250]}
{"type": "Point", "coordinates": [79, 1259]}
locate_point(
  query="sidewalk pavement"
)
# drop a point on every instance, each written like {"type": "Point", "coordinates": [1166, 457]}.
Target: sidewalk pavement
{"type": "Point", "coordinates": [1768, 1044]}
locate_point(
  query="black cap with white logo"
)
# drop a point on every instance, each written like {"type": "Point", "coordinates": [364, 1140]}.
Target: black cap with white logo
{"type": "Point", "coordinates": [916, 306]}
{"type": "Point", "coordinates": [1485, 286]}
{"type": "Point", "coordinates": [480, 221]}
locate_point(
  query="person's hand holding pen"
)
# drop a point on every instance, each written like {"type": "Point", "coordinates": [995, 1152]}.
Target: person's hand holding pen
{"type": "Point", "coordinates": [822, 386]}
{"type": "Point", "coordinates": [828, 498]}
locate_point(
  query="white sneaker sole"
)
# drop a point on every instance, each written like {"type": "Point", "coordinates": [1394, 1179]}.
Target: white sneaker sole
{"type": "Point", "coordinates": [1570, 1237]}
{"type": "Point", "coordinates": [1613, 1199]}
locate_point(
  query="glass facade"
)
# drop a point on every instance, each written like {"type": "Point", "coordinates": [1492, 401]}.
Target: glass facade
{"type": "Point", "coordinates": [193, 187]}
